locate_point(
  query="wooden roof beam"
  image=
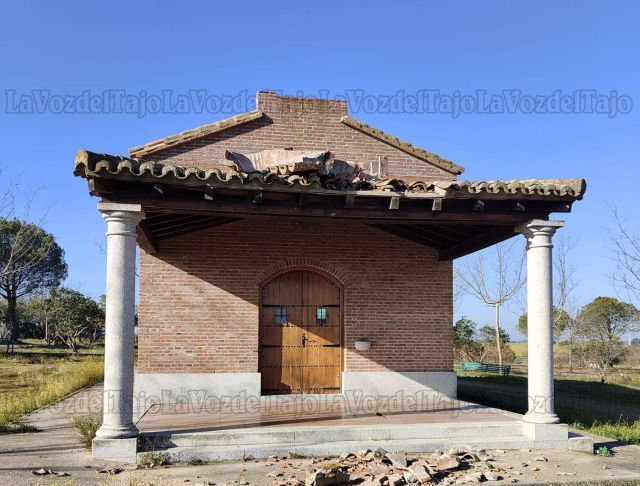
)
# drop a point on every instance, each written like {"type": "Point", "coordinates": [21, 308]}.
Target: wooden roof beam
{"type": "Point", "coordinates": [234, 208]}
{"type": "Point", "coordinates": [145, 238]}
{"type": "Point", "coordinates": [483, 240]}
{"type": "Point", "coordinates": [404, 232]}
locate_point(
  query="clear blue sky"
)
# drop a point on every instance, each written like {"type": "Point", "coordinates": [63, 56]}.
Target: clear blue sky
{"type": "Point", "coordinates": [231, 47]}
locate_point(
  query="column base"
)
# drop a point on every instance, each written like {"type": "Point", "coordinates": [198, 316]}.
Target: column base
{"type": "Point", "coordinates": [546, 436]}
{"type": "Point", "coordinates": [541, 418]}
{"type": "Point", "coordinates": [115, 450]}
{"type": "Point", "coordinates": [117, 432]}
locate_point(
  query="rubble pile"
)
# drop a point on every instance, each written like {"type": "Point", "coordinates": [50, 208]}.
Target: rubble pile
{"type": "Point", "coordinates": [381, 468]}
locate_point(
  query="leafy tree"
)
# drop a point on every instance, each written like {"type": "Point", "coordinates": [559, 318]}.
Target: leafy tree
{"type": "Point", "coordinates": [601, 324]}
{"type": "Point", "coordinates": [30, 260]}
{"type": "Point", "coordinates": [41, 313]}
{"type": "Point", "coordinates": [464, 340]}
{"type": "Point", "coordinates": [561, 321]}
{"type": "Point", "coordinates": [73, 315]}
{"type": "Point", "coordinates": [486, 334]}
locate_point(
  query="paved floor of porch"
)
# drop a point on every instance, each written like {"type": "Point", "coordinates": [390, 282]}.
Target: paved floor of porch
{"type": "Point", "coordinates": [319, 411]}
{"type": "Point", "coordinates": [330, 425]}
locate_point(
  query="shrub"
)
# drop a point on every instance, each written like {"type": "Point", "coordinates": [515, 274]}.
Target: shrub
{"type": "Point", "coordinates": [86, 427]}
{"type": "Point", "coordinates": [153, 459]}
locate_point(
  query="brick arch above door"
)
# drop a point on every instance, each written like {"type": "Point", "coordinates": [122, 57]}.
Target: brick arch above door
{"type": "Point", "coordinates": [311, 264]}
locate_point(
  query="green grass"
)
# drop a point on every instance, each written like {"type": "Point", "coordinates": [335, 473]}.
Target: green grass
{"type": "Point", "coordinates": [608, 409]}
{"type": "Point", "coordinates": [628, 432]}
{"type": "Point", "coordinates": [29, 382]}
{"type": "Point", "coordinates": [520, 349]}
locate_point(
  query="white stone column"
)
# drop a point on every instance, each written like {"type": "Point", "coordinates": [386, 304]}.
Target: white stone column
{"type": "Point", "coordinates": [122, 219]}
{"type": "Point", "coordinates": [540, 320]}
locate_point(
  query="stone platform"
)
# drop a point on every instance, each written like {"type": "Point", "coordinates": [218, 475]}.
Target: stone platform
{"type": "Point", "coordinates": [331, 425]}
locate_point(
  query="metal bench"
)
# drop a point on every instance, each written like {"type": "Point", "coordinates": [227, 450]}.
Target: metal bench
{"type": "Point", "coordinates": [8, 342]}
{"type": "Point", "coordinates": [485, 368]}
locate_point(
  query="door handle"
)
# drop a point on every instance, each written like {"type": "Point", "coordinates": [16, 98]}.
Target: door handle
{"type": "Point", "coordinates": [304, 340]}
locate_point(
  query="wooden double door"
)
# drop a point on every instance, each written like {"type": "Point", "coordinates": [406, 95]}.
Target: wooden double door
{"type": "Point", "coordinates": [300, 334]}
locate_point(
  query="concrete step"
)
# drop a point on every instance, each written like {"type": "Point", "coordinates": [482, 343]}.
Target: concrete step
{"type": "Point", "coordinates": [239, 452]}
{"type": "Point", "coordinates": [311, 435]}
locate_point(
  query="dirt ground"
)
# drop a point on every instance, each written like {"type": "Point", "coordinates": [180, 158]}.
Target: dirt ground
{"type": "Point", "coordinates": [55, 448]}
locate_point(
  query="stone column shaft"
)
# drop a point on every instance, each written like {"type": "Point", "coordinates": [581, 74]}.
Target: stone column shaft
{"type": "Point", "coordinates": [122, 219]}
{"type": "Point", "coordinates": [540, 320]}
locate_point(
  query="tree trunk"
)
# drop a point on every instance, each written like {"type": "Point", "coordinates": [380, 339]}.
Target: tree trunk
{"type": "Point", "coordinates": [571, 352]}
{"type": "Point", "coordinates": [498, 340]}
{"type": "Point", "coordinates": [12, 315]}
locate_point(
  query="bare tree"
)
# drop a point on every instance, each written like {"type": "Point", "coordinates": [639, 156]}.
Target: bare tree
{"type": "Point", "coordinates": [565, 309]}
{"type": "Point", "coordinates": [625, 245]}
{"type": "Point", "coordinates": [8, 196]}
{"type": "Point", "coordinates": [494, 284]}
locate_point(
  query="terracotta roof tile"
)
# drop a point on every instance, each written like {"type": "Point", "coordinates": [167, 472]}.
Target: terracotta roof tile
{"type": "Point", "coordinates": [92, 165]}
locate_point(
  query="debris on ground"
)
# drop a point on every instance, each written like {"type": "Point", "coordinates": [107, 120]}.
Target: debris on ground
{"type": "Point", "coordinates": [49, 472]}
{"type": "Point", "coordinates": [381, 468]}
{"type": "Point", "coordinates": [112, 471]}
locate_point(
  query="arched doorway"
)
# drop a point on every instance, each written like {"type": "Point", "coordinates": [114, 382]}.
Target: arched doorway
{"type": "Point", "coordinates": [300, 333]}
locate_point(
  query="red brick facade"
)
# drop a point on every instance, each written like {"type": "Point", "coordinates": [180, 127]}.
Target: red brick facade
{"type": "Point", "coordinates": [199, 295]}
{"type": "Point", "coordinates": [302, 124]}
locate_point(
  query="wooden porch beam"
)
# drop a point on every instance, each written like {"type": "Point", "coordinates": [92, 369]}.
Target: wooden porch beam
{"type": "Point", "coordinates": [403, 232]}
{"type": "Point", "coordinates": [204, 224]}
{"type": "Point", "coordinates": [232, 208]}
{"type": "Point", "coordinates": [478, 242]}
{"type": "Point", "coordinates": [196, 220]}
{"type": "Point", "coordinates": [145, 238]}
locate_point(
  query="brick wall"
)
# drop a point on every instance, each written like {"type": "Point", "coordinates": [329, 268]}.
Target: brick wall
{"type": "Point", "coordinates": [299, 123]}
{"type": "Point", "coordinates": [199, 295]}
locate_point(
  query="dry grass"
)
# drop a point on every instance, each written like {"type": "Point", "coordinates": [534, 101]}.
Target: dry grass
{"type": "Point", "coordinates": [28, 383]}
{"type": "Point", "coordinates": [86, 427]}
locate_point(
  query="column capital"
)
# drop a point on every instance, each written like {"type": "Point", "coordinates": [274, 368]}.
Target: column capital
{"type": "Point", "coordinates": [539, 226]}
{"type": "Point", "coordinates": [538, 232]}
{"type": "Point", "coordinates": [125, 213]}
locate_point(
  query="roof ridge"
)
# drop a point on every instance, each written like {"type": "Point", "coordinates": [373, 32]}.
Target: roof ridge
{"type": "Point", "coordinates": [406, 147]}
{"type": "Point", "coordinates": [195, 133]}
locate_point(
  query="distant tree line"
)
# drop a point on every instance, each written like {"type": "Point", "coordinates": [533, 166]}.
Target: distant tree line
{"type": "Point", "coordinates": [592, 334]}
{"type": "Point", "coordinates": [32, 269]}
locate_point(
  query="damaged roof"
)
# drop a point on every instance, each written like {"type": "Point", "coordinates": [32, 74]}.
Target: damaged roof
{"type": "Point", "coordinates": [171, 141]}
{"type": "Point", "coordinates": [406, 147]}
{"type": "Point", "coordinates": [92, 165]}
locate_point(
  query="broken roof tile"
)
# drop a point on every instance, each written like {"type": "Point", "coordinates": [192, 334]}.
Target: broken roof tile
{"type": "Point", "coordinates": [96, 166]}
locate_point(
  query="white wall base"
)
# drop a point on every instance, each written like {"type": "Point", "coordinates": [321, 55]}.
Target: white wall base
{"type": "Point", "coordinates": [115, 450]}
{"type": "Point", "coordinates": [390, 383]}
{"type": "Point", "coordinates": [202, 388]}
{"type": "Point", "coordinates": [194, 388]}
